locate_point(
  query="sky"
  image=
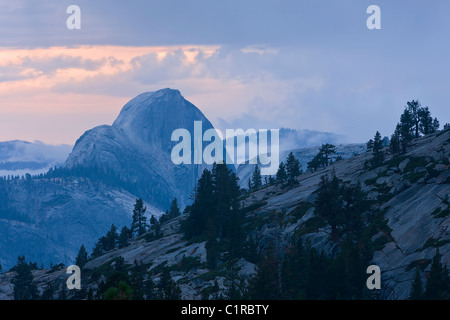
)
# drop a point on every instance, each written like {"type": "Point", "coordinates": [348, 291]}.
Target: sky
{"type": "Point", "coordinates": [260, 64]}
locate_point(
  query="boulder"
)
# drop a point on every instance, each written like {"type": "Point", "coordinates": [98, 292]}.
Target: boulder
{"type": "Point", "coordinates": [420, 169]}
{"type": "Point", "coordinates": [432, 180]}
{"type": "Point", "coordinates": [440, 167]}
{"type": "Point", "coordinates": [444, 177]}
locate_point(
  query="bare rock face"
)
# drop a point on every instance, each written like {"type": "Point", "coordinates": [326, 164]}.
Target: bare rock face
{"type": "Point", "coordinates": [138, 146]}
{"type": "Point", "coordinates": [444, 177]}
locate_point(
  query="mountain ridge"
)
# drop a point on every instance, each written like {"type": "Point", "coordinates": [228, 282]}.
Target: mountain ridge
{"type": "Point", "coordinates": [411, 191]}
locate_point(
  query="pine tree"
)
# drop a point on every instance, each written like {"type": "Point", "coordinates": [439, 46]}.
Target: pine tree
{"type": "Point", "coordinates": [378, 155]}
{"type": "Point", "coordinates": [426, 121]}
{"type": "Point", "coordinates": [256, 179]}
{"type": "Point", "coordinates": [99, 247]}
{"type": "Point", "coordinates": [322, 158]}
{"type": "Point", "coordinates": [329, 203]}
{"type": "Point", "coordinates": [264, 285]}
{"type": "Point", "coordinates": [281, 173]}
{"type": "Point", "coordinates": [82, 257]}
{"type": "Point", "coordinates": [139, 220]}
{"type": "Point", "coordinates": [413, 108]}
{"type": "Point", "coordinates": [111, 238]}
{"type": "Point", "coordinates": [226, 191]}
{"type": "Point", "coordinates": [174, 209]}
{"type": "Point", "coordinates": [438, 283]}
{"type": "Point", "coordinates": [417, 288]}
{"type": "Point", "coordinates": [327, 150]}
{"type": "Point", "coordinates": [24, 287]}
{"type": "Point", "coordinates": [406, 129]}
{"type": "Point", "coordinates": [124, 237]}
{"type": "Point", "coordinates": [168, 289]}
{"type": "Point", "coordinates": [435, 125]}
{"type": "Point", "coordinates": [122, 292]}
{"type": "Point", "coordinates": [394, 144]}
{"type": "Point", "coordinates": [202, 208]}
{"type": "Point", "coordinates": [149, 289]}
{"type": "Point", "coordinates": [355, 203]}
{"type": "Point", "coordinates": [271, 180]}
{"type": "Point", "coordinates": [369, 145]}
{"type": "Point", "coordinates": [292, 168]}
{"type": "Point", "coordinates": [315, 281]}
{"type": "Point", "coordinates": [137, 280]}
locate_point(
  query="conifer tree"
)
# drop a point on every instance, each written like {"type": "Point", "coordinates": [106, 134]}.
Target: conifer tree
{"type": "Point", "coordinates": [174, 209]}
{"type": "Point", "coordinates": [438, 283]}
{"type": "Point", "coordinates": [369, 145]}
{"type": "Point", "coordinates": [124, 237]}
{"type": "Point", "coordinates": [417, 288]}
{"type": "Point", "coordinates": [256, 179]}
{"type": "Point", "coordinates": [111, 238]}
{"type": "Point", "coordinates": [378, 155]}
{"type": "Point", "coordinates": [265, 285]}
{"type": "Point", "coordinates": [406, 129]}
{"type": "Point", "coordinates": [394, 144]}
{"type": "Point", "coordinates": [426, 121]}
{"type": "Point", "coordinates": [281, 173]}
{"type": "Point", "coordinates": [414, 108]}
{"type": "Point", "coordinates": [137, 280]}
{"type": "Point", "coordinates": [327, 150]}
{"type": "Point", "coordinates": [435, 125]}
{"type": "Point", "coordinates": [202, 208]}
{"type": "Point", "coordinates": [168, 289]}
{"type": "Point", "coordinates": [149, 289]}
{"type": "Point", "coordinates": [329, 203]}
{"type": "Point", "coordinates": [292, 168]}
{"type": "Point", "coordinates": [139, 220]}
{"type": "Point", "coordinates": [322, 158]}
{"type": "Point", "coordinates": [82, 257]}
{"type": "Point", "coordinates": [24, 287]}
{"type": "Point", "coordinates": [122, 292]}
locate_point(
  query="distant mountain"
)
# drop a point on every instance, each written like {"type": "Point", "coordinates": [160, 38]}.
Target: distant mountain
{"type": "Point", "coordinates": [19, 157]}
{"type": "Point", "coordinates": [137, 147]}
{"type": "Point", "coordinates": [291, 139]}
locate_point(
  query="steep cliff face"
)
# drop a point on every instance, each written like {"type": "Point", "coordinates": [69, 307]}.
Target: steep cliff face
{"type": "Point", "coordinates": [138, 146]}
